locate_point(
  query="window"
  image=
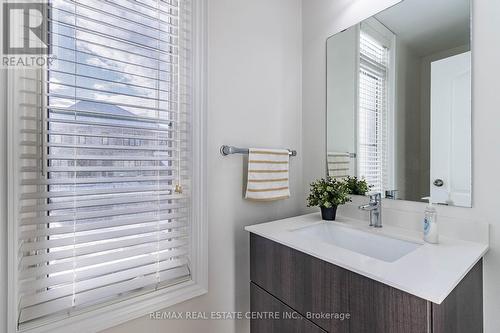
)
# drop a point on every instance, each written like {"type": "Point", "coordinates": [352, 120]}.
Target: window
{"type": "Point", "coordinates": [373, 112]}
{"type": "Point", "coordinates": [107, 170]}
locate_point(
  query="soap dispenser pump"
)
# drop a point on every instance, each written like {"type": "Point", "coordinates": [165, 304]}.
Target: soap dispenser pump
{"type": "Point", "coordinates": [431, 234]}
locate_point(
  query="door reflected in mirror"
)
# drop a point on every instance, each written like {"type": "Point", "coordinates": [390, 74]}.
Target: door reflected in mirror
{"type": "Point", "coordinates": [399, 102]}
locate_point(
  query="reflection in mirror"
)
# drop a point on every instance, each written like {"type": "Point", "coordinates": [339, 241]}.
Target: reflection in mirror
{"type": "Point", "coordinates": [399, 102]}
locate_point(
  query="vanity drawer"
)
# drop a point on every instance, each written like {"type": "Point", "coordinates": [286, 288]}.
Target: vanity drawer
{"type": "Point", "coordinates": [378, 308]}
{"type": "Point", "coordinates": [304, 283]}
{"type": "Point", "coordinates": [261, 302]}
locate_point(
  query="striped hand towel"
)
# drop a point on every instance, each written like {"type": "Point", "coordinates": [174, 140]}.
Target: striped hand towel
{"type": "Point", "coordinates": [339, 165]}
{"type": "Point", "coordinates": [267, 174]}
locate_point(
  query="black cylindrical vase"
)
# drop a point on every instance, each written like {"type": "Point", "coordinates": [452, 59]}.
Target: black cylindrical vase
{"type": "Point", "coordinates": [328, 214]}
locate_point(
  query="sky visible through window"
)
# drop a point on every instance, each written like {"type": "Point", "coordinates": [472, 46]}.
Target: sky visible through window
{"type": "Point", "coordinates": [112, 111]}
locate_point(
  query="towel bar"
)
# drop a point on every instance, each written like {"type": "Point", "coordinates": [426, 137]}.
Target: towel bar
{"type": "Point", "coordinates": [350, 155]}
{"type": "Point", "coordinates": [226, 150]}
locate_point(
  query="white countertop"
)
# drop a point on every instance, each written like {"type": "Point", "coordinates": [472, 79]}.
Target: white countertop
{"type": "Point", "coordinates": [431, 272]}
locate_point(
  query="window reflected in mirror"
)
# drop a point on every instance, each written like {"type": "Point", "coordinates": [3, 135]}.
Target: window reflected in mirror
{"type": "Point", "coordinates": [399, 102]}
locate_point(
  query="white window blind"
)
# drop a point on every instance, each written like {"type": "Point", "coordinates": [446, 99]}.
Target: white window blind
{"type": "Point", "coordinates": [104, 158]}
{"type": "Point", "coordinates": [373, 112]}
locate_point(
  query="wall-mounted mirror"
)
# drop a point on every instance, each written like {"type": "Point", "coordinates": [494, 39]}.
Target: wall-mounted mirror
{"type": "Point", "coordinates": [399, 102]}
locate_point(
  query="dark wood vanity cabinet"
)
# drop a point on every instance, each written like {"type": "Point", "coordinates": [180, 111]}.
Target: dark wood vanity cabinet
{"type": "Point", "coordinates": [276, 315]}
{"type": "Point", "coordinates": [328, 298]}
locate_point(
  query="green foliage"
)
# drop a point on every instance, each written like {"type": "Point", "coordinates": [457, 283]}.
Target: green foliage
{"type": "Point", "coordinates": [357, 186]}
{"type": "Point", "coordinates": [327, 193]}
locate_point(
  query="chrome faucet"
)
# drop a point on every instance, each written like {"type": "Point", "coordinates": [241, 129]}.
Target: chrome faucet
{"type": "Point", "coordinates": [375, 209]}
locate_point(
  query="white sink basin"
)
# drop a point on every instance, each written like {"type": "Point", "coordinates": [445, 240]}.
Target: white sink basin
{"type": "Point", "coordinates": [372, 245]}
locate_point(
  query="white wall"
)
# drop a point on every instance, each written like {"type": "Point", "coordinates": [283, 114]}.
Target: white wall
{"type": "Point", "coordinates": [254, 101]}
{"type": "Point", "coordinates": [341, 94]}
{"type": "Point", "coordinates": [322, 18]}
{"type": "Point", "coordinates": [407, 122]}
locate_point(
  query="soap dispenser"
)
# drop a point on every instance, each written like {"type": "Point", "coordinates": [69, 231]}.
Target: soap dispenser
{"type": "Point", "coordinates": [431, 234]}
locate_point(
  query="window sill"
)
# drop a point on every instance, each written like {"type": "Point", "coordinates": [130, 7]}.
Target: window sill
{"type": "Point", "coordinates": [118, 313]}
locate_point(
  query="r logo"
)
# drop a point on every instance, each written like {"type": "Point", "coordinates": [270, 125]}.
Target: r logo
{"type": "Point", "coordinates": [25, 28]}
